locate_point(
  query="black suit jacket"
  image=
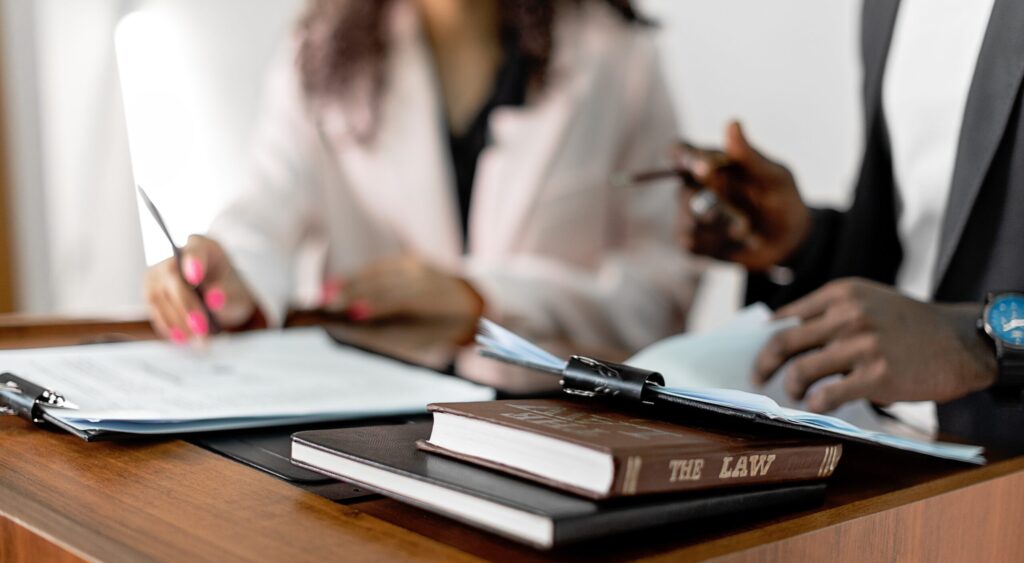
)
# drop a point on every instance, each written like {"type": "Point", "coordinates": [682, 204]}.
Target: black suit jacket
{"type": "Point", "coordinates": [982, 244]}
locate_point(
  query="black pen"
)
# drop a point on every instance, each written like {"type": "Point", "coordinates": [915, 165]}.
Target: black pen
{"type": "Point", "coordinates": [212, 322]}
{"type": "Point", "coordinates": [704, 204]}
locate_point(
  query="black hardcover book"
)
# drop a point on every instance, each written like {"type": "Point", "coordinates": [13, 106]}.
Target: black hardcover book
{"type": "Point", "coordinates": [385, 459]}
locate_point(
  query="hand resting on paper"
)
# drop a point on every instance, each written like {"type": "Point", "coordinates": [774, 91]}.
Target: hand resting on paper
{"type": "Point", "coordinates": [173, 306]}
{"type": "Point", "coordinates": [887, 346]}
{"type": "Point", "coordinates": [404, 286]}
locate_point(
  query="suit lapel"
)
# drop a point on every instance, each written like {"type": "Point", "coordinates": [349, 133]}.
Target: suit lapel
{"type": "Point", "coordinates": [994, 90]}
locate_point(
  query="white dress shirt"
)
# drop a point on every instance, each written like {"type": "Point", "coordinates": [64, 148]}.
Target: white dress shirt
{"type": "Point", "coordinates": [928, 76]}
{"type": "Point", "coordinates": [931, 65]}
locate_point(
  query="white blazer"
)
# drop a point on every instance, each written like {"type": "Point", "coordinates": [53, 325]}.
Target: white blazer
{"type": "Point", "coordinates": [553, 248]}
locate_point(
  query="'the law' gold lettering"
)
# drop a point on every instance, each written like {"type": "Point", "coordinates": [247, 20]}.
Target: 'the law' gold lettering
{"type": "Point", "coordinates": [746, 465]}
{"type": "Point", "coordinates": [685, 469]}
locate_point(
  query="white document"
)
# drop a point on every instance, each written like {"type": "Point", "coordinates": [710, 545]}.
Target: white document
{"type": "Point", "coordinates": [246, 380]}
{"type": "Point", "coordinates": [715, 367]}
{"type": "Point", "coordinates": [724, 358]}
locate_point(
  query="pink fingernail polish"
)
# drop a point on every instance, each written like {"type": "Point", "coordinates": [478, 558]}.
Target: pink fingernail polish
{"type": "Point", "coordinates": [216, 299]}
{"type": "Point", "coordinates": [327, 293]}
{"type": "Point", "coordinates": [359, 310]}
{"type": "Point", "coordinates": [193, 271]}
{"type": "Point", "coordinates": [177, 336]}
{"type": "Point", "coordinates": [197, 323]}
{"type": "Point", "coordinates": [330, 290]}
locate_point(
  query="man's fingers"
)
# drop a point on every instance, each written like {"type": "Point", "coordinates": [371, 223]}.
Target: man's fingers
{"type": "Point", "coordinates": [696, 161]}
{"type": "Point", "coordinates": [694, 236]}
{"type": "Point", "coordinates": [812, 305]}
{"type": "Point", "coordinates": [839, 357]}
{"type": "Point", "coordinates": [708, 241]}
{"type": "Point", "coordinates": [830, 396]}
{"type": "Point", "coordinates": [788, 343]}
{"type": "Point", "coordinates": [739, 149]}
{"type": "Point", "coordinates": [739, 227]}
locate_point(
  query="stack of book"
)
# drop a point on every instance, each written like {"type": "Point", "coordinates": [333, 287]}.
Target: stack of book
{"type": "Point", "coordinates": [555, 472]}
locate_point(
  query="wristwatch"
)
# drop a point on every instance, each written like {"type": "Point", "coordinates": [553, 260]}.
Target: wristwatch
{"type": "Point", "coordinates": [1003, 321]}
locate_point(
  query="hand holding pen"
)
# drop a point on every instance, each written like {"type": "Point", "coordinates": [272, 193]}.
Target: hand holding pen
{"type": "Point", "coordinates": [739, 206]}
{"type": "Point", "coordinates": [196, 292]}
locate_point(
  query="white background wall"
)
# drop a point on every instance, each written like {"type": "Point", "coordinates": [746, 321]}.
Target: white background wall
{"type": "Point", "coordinates": [77, 230]}
{"type": "Point", "coordinates": [786, 68]}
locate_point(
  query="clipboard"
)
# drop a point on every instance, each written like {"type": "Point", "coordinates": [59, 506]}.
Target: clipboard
{"type": "Point", "coordinates": [631, 386]}
{"type": "Point", "coordinates": [626, 385]}
{"type": "Point", "coordinates": [20, 397]}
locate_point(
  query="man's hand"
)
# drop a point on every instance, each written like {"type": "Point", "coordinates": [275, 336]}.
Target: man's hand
{"type": "Point", "coordinates": [403, 287]}
{"type": "Point", "coordinates": [887, 346]}
{"type": "Point", "coordinates": [769, 219]}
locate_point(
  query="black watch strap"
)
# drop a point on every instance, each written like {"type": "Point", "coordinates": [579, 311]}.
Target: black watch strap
{"type": "Point", "coordinates": [1011, 367]}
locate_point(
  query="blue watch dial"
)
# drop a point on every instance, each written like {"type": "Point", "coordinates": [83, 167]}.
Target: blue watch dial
{"type": "Point", "coordinates": [1005, 319]}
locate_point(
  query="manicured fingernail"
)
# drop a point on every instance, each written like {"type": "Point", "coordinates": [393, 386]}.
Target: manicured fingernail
{"type": "Point", "coordinates": [197, 323]}
{"type": "Point", "coordinates": [193, 271]}
{"type": "Point", "coordinates": [359, 310]}
{"type": "Point", "coordinates": [330, 291]}
{"type": "Point", "coordinates": [177, 336]}
{"type": "Point", "coordinates": [215, 299]}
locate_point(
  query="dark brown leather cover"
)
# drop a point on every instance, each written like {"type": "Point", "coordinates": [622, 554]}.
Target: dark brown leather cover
{"type": "Point", "coordinates": [651, 456]}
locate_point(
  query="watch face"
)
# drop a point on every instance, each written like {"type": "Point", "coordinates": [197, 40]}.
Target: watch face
{"type": "Point", "coordinates": [1005, 319]}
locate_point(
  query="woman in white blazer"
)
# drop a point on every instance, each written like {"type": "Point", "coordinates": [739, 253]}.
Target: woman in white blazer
{"type": "Point", "coordinates": [447, 157]}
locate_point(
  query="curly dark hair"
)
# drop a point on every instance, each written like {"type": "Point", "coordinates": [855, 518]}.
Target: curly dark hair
{"type": "Point", "coordinates": [343, 42]}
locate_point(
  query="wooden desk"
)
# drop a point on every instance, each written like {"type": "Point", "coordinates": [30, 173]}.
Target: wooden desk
{"type": "Point", "coordinates": [62, 499]}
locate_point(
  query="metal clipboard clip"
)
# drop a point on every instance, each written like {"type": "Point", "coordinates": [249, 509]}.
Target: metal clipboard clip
{"type": "Point", "coordinates": [19, 397]}
{"type": "Point", "coordinates": [588, 377]}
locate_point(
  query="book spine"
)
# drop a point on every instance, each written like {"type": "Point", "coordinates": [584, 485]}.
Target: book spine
{"type": "Point", "coordinates": [660, 473]}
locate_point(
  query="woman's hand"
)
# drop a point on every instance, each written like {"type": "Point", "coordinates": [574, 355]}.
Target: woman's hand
{"type": "Point", "coordinates": [769, 219]}
{"type": "Point", "coordinates": [403, 287]}
{"type": "Point", "coordinates": [174, 308]}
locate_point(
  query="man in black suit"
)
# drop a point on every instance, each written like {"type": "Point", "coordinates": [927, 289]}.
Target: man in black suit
{"type": "Point", "coordinates": [892, 291]}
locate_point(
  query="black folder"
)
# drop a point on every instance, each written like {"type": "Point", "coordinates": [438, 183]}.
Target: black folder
{"type": "Point", "coordinates": [385, 459]}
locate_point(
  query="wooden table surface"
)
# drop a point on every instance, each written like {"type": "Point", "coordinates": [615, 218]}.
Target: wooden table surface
{"type": "Point", "coordinates": [62, 499]}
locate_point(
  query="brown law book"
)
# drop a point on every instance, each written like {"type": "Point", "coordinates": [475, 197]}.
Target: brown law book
{"type": "Point", "coordinates": [597, 452]}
